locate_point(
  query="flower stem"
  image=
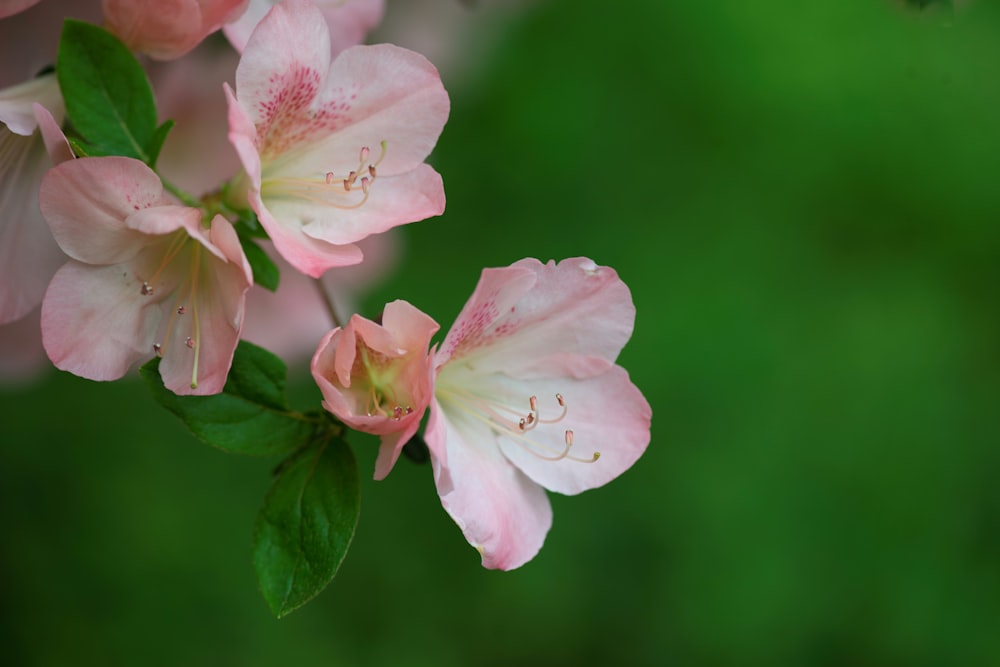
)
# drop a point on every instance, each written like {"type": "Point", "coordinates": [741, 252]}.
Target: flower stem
{"type": "Point", "coordinates": [328, 301]}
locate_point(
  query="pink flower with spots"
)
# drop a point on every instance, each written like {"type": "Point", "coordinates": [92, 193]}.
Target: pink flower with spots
{"type": "Point", "coordinates": [146, 276]}
{"type": "Point", "coordinates": [167, 29]}
{"type": "Point", "coordinates": [332, 152]}
{"type": "Point", "coordinates": [376, 378]}
{"type": "Point", "coordinates": [528, 397]}
{"type": "Point", "coordinates": [349, 21]}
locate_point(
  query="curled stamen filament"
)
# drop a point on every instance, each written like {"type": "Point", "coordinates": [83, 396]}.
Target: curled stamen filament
{"type": "Point", "coordinates": [481, 410]}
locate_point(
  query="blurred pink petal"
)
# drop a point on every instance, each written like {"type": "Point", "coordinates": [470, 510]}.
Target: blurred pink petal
{"type": "Point", "coordinates": [10, 7]}
{"type": "Point", "coordinates": [167, 29]}
{"type": "Point", "coordinates": [28, 254]}
{"type": "Point", "coordinates": [349, 21]}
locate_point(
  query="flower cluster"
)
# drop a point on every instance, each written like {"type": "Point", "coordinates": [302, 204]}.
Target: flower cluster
{"type": "Point", "coordinates": [327, 140]}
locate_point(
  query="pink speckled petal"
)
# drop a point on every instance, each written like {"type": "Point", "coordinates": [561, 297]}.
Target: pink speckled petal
{"type": "Point", "coordinates": [375, 94]}
{"type": "Point", "coordinates": [218, 305]}
{"type": "Point", "coordinates": [576, 308]}
{"type": "Point", "coordinates": [86, 202]}
{"type": "Point", "coordinates": [284, 63]}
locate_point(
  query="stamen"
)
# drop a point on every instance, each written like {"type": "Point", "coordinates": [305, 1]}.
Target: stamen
{"type": "Point", "coordinates": [329, 178]}
{"type": "Point", "coordinates": [488, 412]}
{"type": "Point", "coordinates": [364, 154]}
{"type": "Point", "coordinates": [364, 185]}
{"type": "Point", "coordinates": [146, 289]}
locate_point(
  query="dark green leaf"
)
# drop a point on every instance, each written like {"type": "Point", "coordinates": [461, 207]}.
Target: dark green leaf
{"type": "Point", "coordinates": [265, 271]}
{"type": "Point", "coordinates": [306, 525]}
{"type": "Point", "coordinates": [156, 143]}
{"type": "Point", "coordinates": [108, 98]}
{"type": "Point", "coordinates": [251, 416]}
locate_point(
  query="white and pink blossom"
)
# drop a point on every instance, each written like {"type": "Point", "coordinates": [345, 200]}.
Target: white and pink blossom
{"type": "Point", "coordinates": [146, 276]}
{"type": "Point", "coordinates": [332, 152]}
{"type": "Point", "coordinates": [528, 398]}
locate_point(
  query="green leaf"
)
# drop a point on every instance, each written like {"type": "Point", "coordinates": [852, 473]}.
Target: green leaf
{"type": "Point", "coordinates": [306, 525]}
{"type": "Point", "coordinates": [265, 271]}
{"type": "Point", "coordinates": [108, 97]}
{"type": "Point", "coordinates": [251, 416]}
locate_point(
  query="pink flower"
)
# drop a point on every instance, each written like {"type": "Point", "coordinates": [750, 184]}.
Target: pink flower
{"type": "Point", "coordinates": [145, 276]}
{"type": "Point", "coordinates": [167, 29]}
{"type": "Point", "coordinates": [528, 398]}
{"type": "Point", "coordinates": [332, 152]}
{"type": "Point", "coordinates": [348, 20]}
{"type": "Point", "coordinates": [28, 254]}
{"type": "Point", "coordinates": [376, 378]}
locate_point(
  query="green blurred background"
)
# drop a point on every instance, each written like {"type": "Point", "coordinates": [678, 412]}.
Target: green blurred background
{"type": "Point", "coordinates": [804, 199]}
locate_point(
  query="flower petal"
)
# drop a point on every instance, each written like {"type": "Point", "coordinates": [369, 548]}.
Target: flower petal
{"type": "Point", "coordinates": [575, 308]}
{"type": "Point", "coordinates": [607, 414]}
{"type": "Point", "coordinates": [86, 202]}
{"type": "Point", "coordinates": [394, 200]}
{"type": "Point", "coordinates": [94, 323]}
{"type": "Point", "coordinates": [16, 110]}
{"type": "Point", "coordinates": [215, 312]}
{"type": "Point", "coordinates": [502, 513]}
{"type": "Point", "coordinates": [29, 256]}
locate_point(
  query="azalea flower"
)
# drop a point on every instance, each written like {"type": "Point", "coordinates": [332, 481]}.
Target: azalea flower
{"type": "Point", "coordinates": [145, 277]}
{"type": "Point", "coordinates": [376, 378]}
{"type": "Point", "coordinates": [167, 29]}
{"type": "Point", "coordinates": [528, 397]}
{"type": "Point", "coordinates": [28, 254]}
{"type": "Point", "coordinates": [349, 21]}
{"type": "Point", "coordinates": [332, 152]}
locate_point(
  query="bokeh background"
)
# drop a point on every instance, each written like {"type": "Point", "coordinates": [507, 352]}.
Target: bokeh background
{"type": "Point", "coordinates": [805, 201]}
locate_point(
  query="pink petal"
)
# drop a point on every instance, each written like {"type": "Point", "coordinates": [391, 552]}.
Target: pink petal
{"type": "Point", "coordinates": [212, 320]}
{"type": "Point", "coordinates": [607, 414]}
{"type": "Point", "coordinates": [375, 94]}
{"type": "Point", "coordinates": [171, 28]}
{"type": "Point", "coordinates": [502, 513]}
{"type": "Point", "coordinates": [11, 7]}
{"type": "Point", "coordinates": [86, 202]}
{"type": "Point", "coordinates": [95, 324]}
{"type": "Point", "coordinates": [16, 103]}
{"type": "Point", "coordinates": [348, 21]}
{"type": "Point", "coordinates": [575, 308]}
{"type": "Point", "coordinates": [286, 59]}
{"type": "Point", "coordinates": [392, 201]}
{"type": "Point", "coordinates": [29, 256]}
{"type": "Point", "coordinates": [56, 143]}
